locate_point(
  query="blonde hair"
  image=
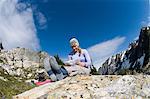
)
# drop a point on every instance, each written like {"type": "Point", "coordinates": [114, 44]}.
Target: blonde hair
{"type": "Point", "coordinates": [74, 40]}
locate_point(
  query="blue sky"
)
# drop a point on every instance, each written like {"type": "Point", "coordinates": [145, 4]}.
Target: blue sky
{"type": "Point", "coordinates": [91, 21]}
{"type": "Point", "coordinates": [104, 27]}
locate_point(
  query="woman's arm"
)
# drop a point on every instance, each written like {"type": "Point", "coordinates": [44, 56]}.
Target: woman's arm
{"type": "Point", "coordinates": [87, 63]}
{"type": "Point", "coordinates": [67, 63]}
{"type": "Point", "coordinates": [88, 59]}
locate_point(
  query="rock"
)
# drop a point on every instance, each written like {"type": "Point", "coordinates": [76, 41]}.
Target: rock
{"type": "Point", "coordinates": [4, 79]}
{"type": "Point", "coordinates": [22, 62]}
{"type": "Point", "coordinates": [93, 87]}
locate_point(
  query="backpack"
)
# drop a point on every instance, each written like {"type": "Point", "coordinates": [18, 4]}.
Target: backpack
{"type": "Point", "coordinates": [41, 77]}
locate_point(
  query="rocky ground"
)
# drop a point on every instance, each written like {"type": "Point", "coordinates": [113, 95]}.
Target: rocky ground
{"type": "Point", "coordinates": [93, 87]}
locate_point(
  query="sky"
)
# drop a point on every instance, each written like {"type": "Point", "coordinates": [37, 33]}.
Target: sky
{"type": "Point", "coordinates": [103, 27]}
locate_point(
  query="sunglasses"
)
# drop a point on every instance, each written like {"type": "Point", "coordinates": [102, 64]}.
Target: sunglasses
{"type": "Point", "coordinates": [73, 46]}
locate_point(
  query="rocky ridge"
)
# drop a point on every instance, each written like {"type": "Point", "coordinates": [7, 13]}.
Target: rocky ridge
{"type": "Point", "coordinates": [136, 59]}
{"type": "Point", "coordinates": [21, 62]}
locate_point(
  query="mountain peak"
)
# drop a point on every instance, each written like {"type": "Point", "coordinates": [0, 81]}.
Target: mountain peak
{"type": "Point", "coordinates": [136, 59]}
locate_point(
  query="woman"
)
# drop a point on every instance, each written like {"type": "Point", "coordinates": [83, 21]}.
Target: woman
{"type": "Point", "coordinates": [79, 61]}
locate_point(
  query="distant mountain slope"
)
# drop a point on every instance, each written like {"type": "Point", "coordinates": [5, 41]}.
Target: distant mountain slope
{"type": "Point", "coordinates": [136, 59]}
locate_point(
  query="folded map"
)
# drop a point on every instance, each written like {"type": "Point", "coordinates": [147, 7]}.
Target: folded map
{"type": "Point", "coordinates": [70, 62]}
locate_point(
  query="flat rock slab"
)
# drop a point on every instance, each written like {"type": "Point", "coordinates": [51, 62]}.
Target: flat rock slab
{"type": "Point", "coordinates": [93, 87]}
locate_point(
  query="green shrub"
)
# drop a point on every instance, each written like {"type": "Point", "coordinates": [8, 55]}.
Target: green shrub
{"type": "Point", "coordinates": [94, 71]}
{"type": "Point", "coordinates": [1, 61]}
{"type": "Point", "coordinates": [59, 61]}
{"type": "Point", "coordinates": [12, 86]}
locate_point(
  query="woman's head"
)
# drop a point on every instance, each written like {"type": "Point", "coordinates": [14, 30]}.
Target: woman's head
{"type": "Point", "coordinates": [74, 43]}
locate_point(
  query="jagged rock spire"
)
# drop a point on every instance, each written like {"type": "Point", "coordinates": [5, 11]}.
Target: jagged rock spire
{"type": "Point", "coordinates": [1, 45]}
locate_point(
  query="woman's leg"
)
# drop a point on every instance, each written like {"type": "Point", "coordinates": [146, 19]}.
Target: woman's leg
{"type": "Point", "coordinates": [48, 68]}
{"type": "Point", "coordinates": [56, 68]}
{"type": "Point", "coordinates": [83, 70]}
{"type": "Point", "coordinates": [74, 70]}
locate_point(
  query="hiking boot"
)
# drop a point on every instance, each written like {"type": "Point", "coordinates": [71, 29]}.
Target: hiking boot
{"type": "Point", "coordinates": [53, 77]}
{"type": "Point", "coordinates": [60, 76]}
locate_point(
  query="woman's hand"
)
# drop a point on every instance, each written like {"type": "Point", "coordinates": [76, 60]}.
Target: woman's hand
{"type": "Point", "coordinates": [66, 64]}
{"type": "Point", "coordinates": [80, 63]}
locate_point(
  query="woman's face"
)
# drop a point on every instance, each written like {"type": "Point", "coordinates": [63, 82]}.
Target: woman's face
{"type": "Point", "coordinates": [75, 47]}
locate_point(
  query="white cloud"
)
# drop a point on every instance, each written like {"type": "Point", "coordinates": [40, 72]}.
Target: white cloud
{"type": "Point", "coordinates": [136, 38]}
{"type": "Point", "coordinates": [146, 22]}
{"type": "Point", "coordinates": [100, 52]}
{"type": "Point", "coordinates": [41, 19]}
{"type": "Point", "coordinates": [17, 26]}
